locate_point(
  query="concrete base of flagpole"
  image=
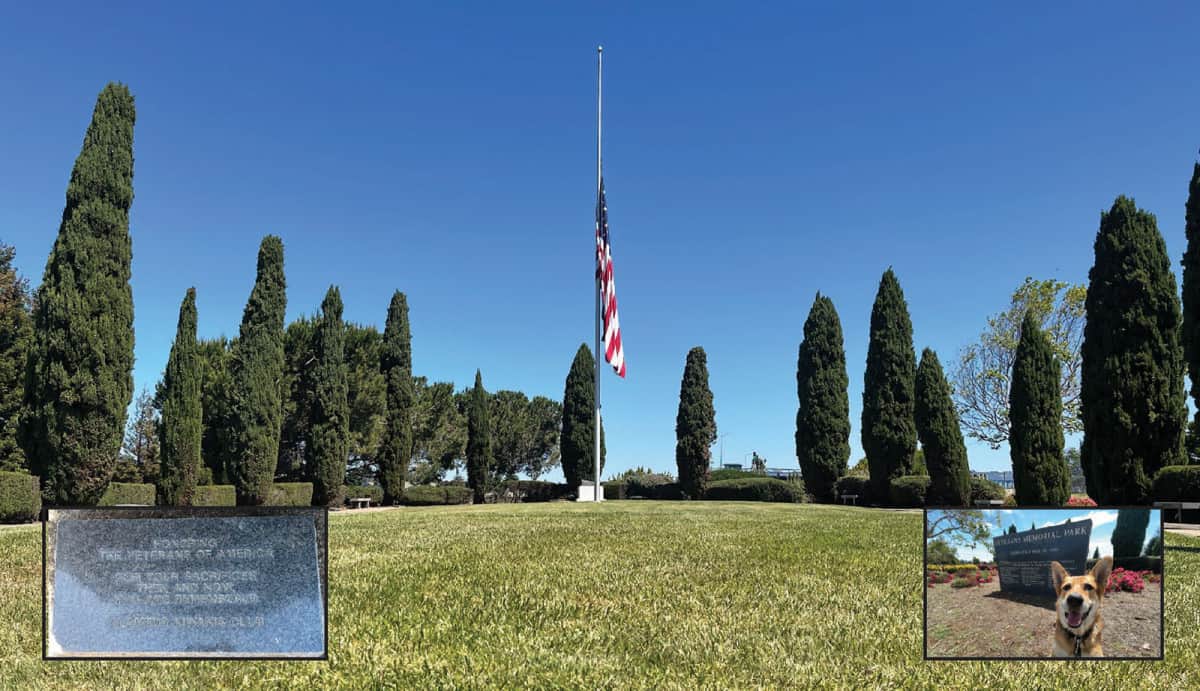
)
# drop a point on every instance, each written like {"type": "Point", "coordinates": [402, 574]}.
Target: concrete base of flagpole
{"type": "Point", "coordinates": [587, 492]}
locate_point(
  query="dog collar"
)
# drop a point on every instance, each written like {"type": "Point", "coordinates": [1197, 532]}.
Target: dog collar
{"type": "Point", "coordinates": [1079, 642]}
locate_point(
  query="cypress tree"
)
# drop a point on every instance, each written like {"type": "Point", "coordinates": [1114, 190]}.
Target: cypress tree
{"type": "Point", "coordinates": [217, 444]}
{"type": "Point", "coordinates": [16, 333]}
{"type": "Point", "coordinates": [889, 434]}
{"type": "Point", "coordinates": [695, 426]}
{"type": "Point", "coordinates": [1041, 476]}
{"type": "Point", "coordinates": [328, 448]}
{"type": "Point", "coordinates": [1129, 534]}
{"type": "Point", "coordinates": [823, 418]}
{"type": "Point", "coordinates": [1096, 552]}
{"type": "Point", "coordinates": [396, 363]}
{"type": "Point", "coordinates": [256, 368]}
{"type": "Point", "coordinates": [1191, 295]}
{"type": "Point", "coordinates": [479, 439]}
{"type": "Point", "coordinates": [1131, 385]}
{"type": "Point", "coordinates": [941, 438]}
{"type": "Point", "coordinates": [182, 421]}
{"type": "Point", "coordinates": [79, 381]}
{"type": "Point", "coordinates": [578, 421]}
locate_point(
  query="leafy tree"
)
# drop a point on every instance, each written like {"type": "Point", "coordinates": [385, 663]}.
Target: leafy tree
{"type": "Point", "coordinates": [938, 551]}
{"type": "Point", "coordinates": [299, 399]}
{"type": "Point", "coordinates": [217, 443]}
{"type": "Point", "coordinates": [367, 395]}
{"type": "Point", "coordinates": [257, 372]}
{"type": "Point", "coordinates": [479, 440]}
{"type": "Point", "coordinates": [80, 375]}
{"type": "Point", "coordinates": [16, 333]}
{"type": "Point", "coordinates": [965, 527]}
{"type": "Point", "coordinates": [941, 440]}
{"type": "Point", "coordinates": [181, 430]}
{"type": "Point", "coordinates": [1133, 404]}
{"type": "Point", "coordinates": [983, 376]}
{"type": "Point", "coordinates": [512, 432]}
{"type": "Point", "coordinates": [1191, 302]}
{"type": "Point", "coordinates": [439, 431]}
{"type": "Point", "coordinates": [396, 363]}
{"type": "Point", "coordinates": [889, 434]}
{"type": "Point", "coordinates": [141, 446]}
{"type": "Point", "coordinates": [1040, 474]}
{"type": "Point", "coordinates": [1074, 465]}
{"type": "Point", "coordinates": [823, 418]}
{"type": "Point", "coordinates": [544, 453]}
{"type": "Point", "coordinates": [1129, 534]}
{"type": "Point", "coordinates": [695, 426]}
{"type": "Point", "coordinates": [330, 440]}
{"type": "Point", "coordinates": [578, 421]}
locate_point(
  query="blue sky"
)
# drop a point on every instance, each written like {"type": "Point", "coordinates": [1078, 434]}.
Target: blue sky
{"type": "Point", "coordinates": [753, 156]}
{"type": "Point", "coordinates": [1103, 522]}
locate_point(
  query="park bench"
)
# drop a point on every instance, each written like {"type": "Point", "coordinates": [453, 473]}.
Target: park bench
{"type": "Point", "coordinates": [361, 502]}
{"type": "Point", "coordinates": [1179, 507]}
{"type": "Point", "coordinates": [989, 502]}
{"type": "Point", "coordinates": [852, 497]}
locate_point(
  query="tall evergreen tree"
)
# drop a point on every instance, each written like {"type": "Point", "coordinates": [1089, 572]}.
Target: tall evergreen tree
{"type": "Point", "coordinates": [299, 394]}
{"type": "Point", "coordinates": [1133, 405]}
{"type": "Point", "coordinates": [1191, 298]}
{"type": "Point", "coordinates": [79, 381]}
{"type": "Point", "coordinates": [16, 333]}
{"type": "Point", "coordinates": [941, 438]}
{"type": "Point", "coordinates": [256, 369]}
{"type": "Point", "coordinates": [218, 443]}
{"type": "Point", "coordinates": [823, 418]}
{"type": "Point", "coordinates": [396, 362]}
{"type": "Point", "coordinates": [889, 434]}
{"type": "Point", "coordinates": [328, 448]}
{"type": "Point", "coordinates": [1041, 476]}
{"type": "Point", "coordinates": [695, 426]}
{"type": "Point", "coordinates": [181, 428]}
{"type": "Point", "coordinates": [1129, 534]}
{"type": "Point", "coordinates": [479, 439]}
{"type": "Point", "coordinates": [578, 421]}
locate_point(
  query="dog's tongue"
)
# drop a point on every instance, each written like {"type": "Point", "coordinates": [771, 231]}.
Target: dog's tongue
{"type": "Point", "coordinates": [1074, 619]}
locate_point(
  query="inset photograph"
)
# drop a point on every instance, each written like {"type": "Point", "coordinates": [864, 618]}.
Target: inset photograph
{"type": "Point", "coordinates": [1043, 583]}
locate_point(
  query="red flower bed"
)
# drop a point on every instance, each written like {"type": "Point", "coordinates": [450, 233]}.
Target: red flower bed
{"type": "Point", "coordinates": [1123, 580]}
{"type": "Point", "coordinates": [1080, 502]}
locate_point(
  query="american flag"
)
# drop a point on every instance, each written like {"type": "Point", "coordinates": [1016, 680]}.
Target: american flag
{"type": "Point", "coordinates": [613, 352]}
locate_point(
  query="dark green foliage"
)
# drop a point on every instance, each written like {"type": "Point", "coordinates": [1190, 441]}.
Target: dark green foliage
{"type": "Point", "coordinates": [983, 489]}
{"type": "Point", "coordinates": [1152, 564]}
{"type": "Point", "coordinates": [217, 447]}
{"type": "Point", "coordinates": [641, 482]}
{"type": "Point", "coordinates": [695, 426]}
{"type": "Point", "coordinates": [127, 471]}
{"type": "Point", "coordinates": [367, 394]}
{"type": "Point", "coordinates": [16, 334]}
{"type": "Point", "coordinates": [372, 492]}
{"type": "Point", "coordinates": [299, 398]}
{"type": "Point", "coordinates": [1154, 547]}
{"type": "Point", "coordinates": [529, 491]}
{"type": "Point", "coordinates": [578, 421]}
{"type": "Point", "coordinates": [1012, 530]}
{"type": "Point", "coordinates": [20, 497]}
{"type": "Point", "coordinates": [823, 418]}
{"type": "Point", "coordinates": [1177, 483]}
{"type": "Point", "coordinates": [889, 433]}
{"type": "Point", "coordinates": [855, 485]}
{"type": "Point", "coordinates": [328, 447]}
{"type": "Point", "coordinates": [182, 424]}
{"type": "Point", "coordinates": [730, 474]}
{"type": "Point", "coordinates": [1041, 476]}
{"type": "Point", "coordinates": [121, 493]}
{"type": "Point", "coordinates": [1129, 534]}
{"type": "Point", "coordinates": [1133, 404]}
{"type": "Point", "coordinates": [1096, 554]}
{"type": "Point", "coordinates": [945, 453]}
{"type": "Point", "coordinates": [479, 440]}
{"type": "Point", "coordinates": [755, 489]}
{"type": "Point", "coordinates": [215, 495]}
{"type": "Point", "coordinates": [290, 494]}
{"type": "Point", "coordinates": [909, 490]}
{"type": "Point", "coordinates": [938, 551]}
{"type": "Point", "coordinates": [79, 380]}
{"type": "Point", "coordinates": [1191, 293]}
{"type": "Point", "coordinates": [439, 431]}
{"type": "Point", "coordinates": [426, 495]}
{"type": "Point", "coordinates": [396, 363]}
{"type": "Point", "coordinates": [256, 367]}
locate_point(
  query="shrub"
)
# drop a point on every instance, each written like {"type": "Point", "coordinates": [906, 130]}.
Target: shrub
{"type": "Point", "coordinates": [755, 489]}
{"type": "Point", "coordinates": [983, 489]}
{"type": "Point", "coordinates": [20, 497]}
{"type": "Point", "coordinates": [936, 577]}
{"type": "Point", "coordinates": [290, 494]}
{"type": "Point", "coordinates": [372, 492]}
{"type": "Point", "coordinates": [127, 471]}
{"type": "Point", "coordinates": [730, 474]}
{"type": "Point", "coordinates": [128, 493]}
{"type": "Point", "coordinates": [1081, 502]}
{"type": "Point", "coordinates": [616, 489]}
{"type": "Point", "coordinates": [204, 476]}
{"type": "Point", "coordinates": [1124, 580]}
{"type": "Point", "coordinates": [215, 495]}
{"type": "Point", "coordinates": [433, 495]}
{"type": "Point", "coordinates": [909, 490]}
{"type": "Point", "coordinates": [1010, 500]}
{"type": "Point", "coordinates": [538, 490]}
{"type": "Point", "coordinates": [964, 581]}
{"type": "Point", "coordinates": [853, 484]}
{"type": "Point", "coordinates": [1177, 483]}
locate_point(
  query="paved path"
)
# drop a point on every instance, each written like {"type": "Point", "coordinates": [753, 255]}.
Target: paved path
{"type": "Point", "coordinates": [1188, 529]}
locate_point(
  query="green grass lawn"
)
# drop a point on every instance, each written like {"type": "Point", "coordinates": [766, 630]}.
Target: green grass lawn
{"type": "Point", "coordinates": [623, 594]}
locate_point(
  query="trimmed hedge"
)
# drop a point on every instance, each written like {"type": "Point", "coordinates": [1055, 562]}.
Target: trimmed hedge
{"type": "Point", "coordinates": [372, 492]}
{"type": "Point", "coordinates": [909, 490]}
{"type": "Point", "coordinates": [853, 484]}
{"type": "Point", "coordinates": [128, 493]}
{"type": "Point", "coordinates": [215, 495]}
{"type": "Point", "coordinates": [20, 497]}
{"type": "Point", "coordinates": [290, 494]}
{"type": "Point", "coordinates": [633, 489]}
{"type": "Point", "coordinates": [731, 474]}
{"type": "Point", "coordinates": [526, 491]}
{"type": "Point", "coordinates": [1132, 564]}
{"type": "Point", "coordinates": [1177, 483]}
{"type": "Point", "coordinates": [428, 495]}
{"type": "Point", "coordinates": [983, 489]}
{"type": "Point", "coordinates": [755, 489]}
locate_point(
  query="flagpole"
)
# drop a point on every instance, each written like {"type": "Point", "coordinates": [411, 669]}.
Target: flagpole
{"type": "Point", "coordinates": [596, 435]}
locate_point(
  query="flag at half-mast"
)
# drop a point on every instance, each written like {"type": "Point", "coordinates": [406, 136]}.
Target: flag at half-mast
{"type": "Point", "coordinates": [613, 352]}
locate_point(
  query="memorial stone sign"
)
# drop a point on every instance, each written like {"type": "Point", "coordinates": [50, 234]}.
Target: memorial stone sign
{"type": "Point", "coordinates": [1024, 558]}
{"type": "Point", "coordinates": [185, 582]}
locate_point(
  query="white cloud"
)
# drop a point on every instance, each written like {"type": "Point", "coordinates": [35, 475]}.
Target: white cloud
{"type": "Point", "coordinates": [1099, 518]}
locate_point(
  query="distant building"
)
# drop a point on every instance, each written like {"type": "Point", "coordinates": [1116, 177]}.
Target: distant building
{"type": "Point", "coordinates": [1001, 477]}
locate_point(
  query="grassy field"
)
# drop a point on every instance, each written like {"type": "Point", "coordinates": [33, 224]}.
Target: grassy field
{"type": "Point", "coordinates": [631, 594]}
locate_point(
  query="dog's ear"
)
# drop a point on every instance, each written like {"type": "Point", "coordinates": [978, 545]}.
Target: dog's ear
{"type": "Point", "coordinates": [1058, 575]}
{"type": "Point", "coordinates": [1101, 571]}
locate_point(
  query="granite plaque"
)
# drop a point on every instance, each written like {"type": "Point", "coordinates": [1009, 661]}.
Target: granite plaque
{"type": "Point", "coordinates": [189, 582]}
{"type": "Point", "coordinates": [1024, 558]}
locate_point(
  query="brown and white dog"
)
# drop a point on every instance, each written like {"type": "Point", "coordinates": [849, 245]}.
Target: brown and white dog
{"type": "Point", "coordinates": [1077, 622]}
